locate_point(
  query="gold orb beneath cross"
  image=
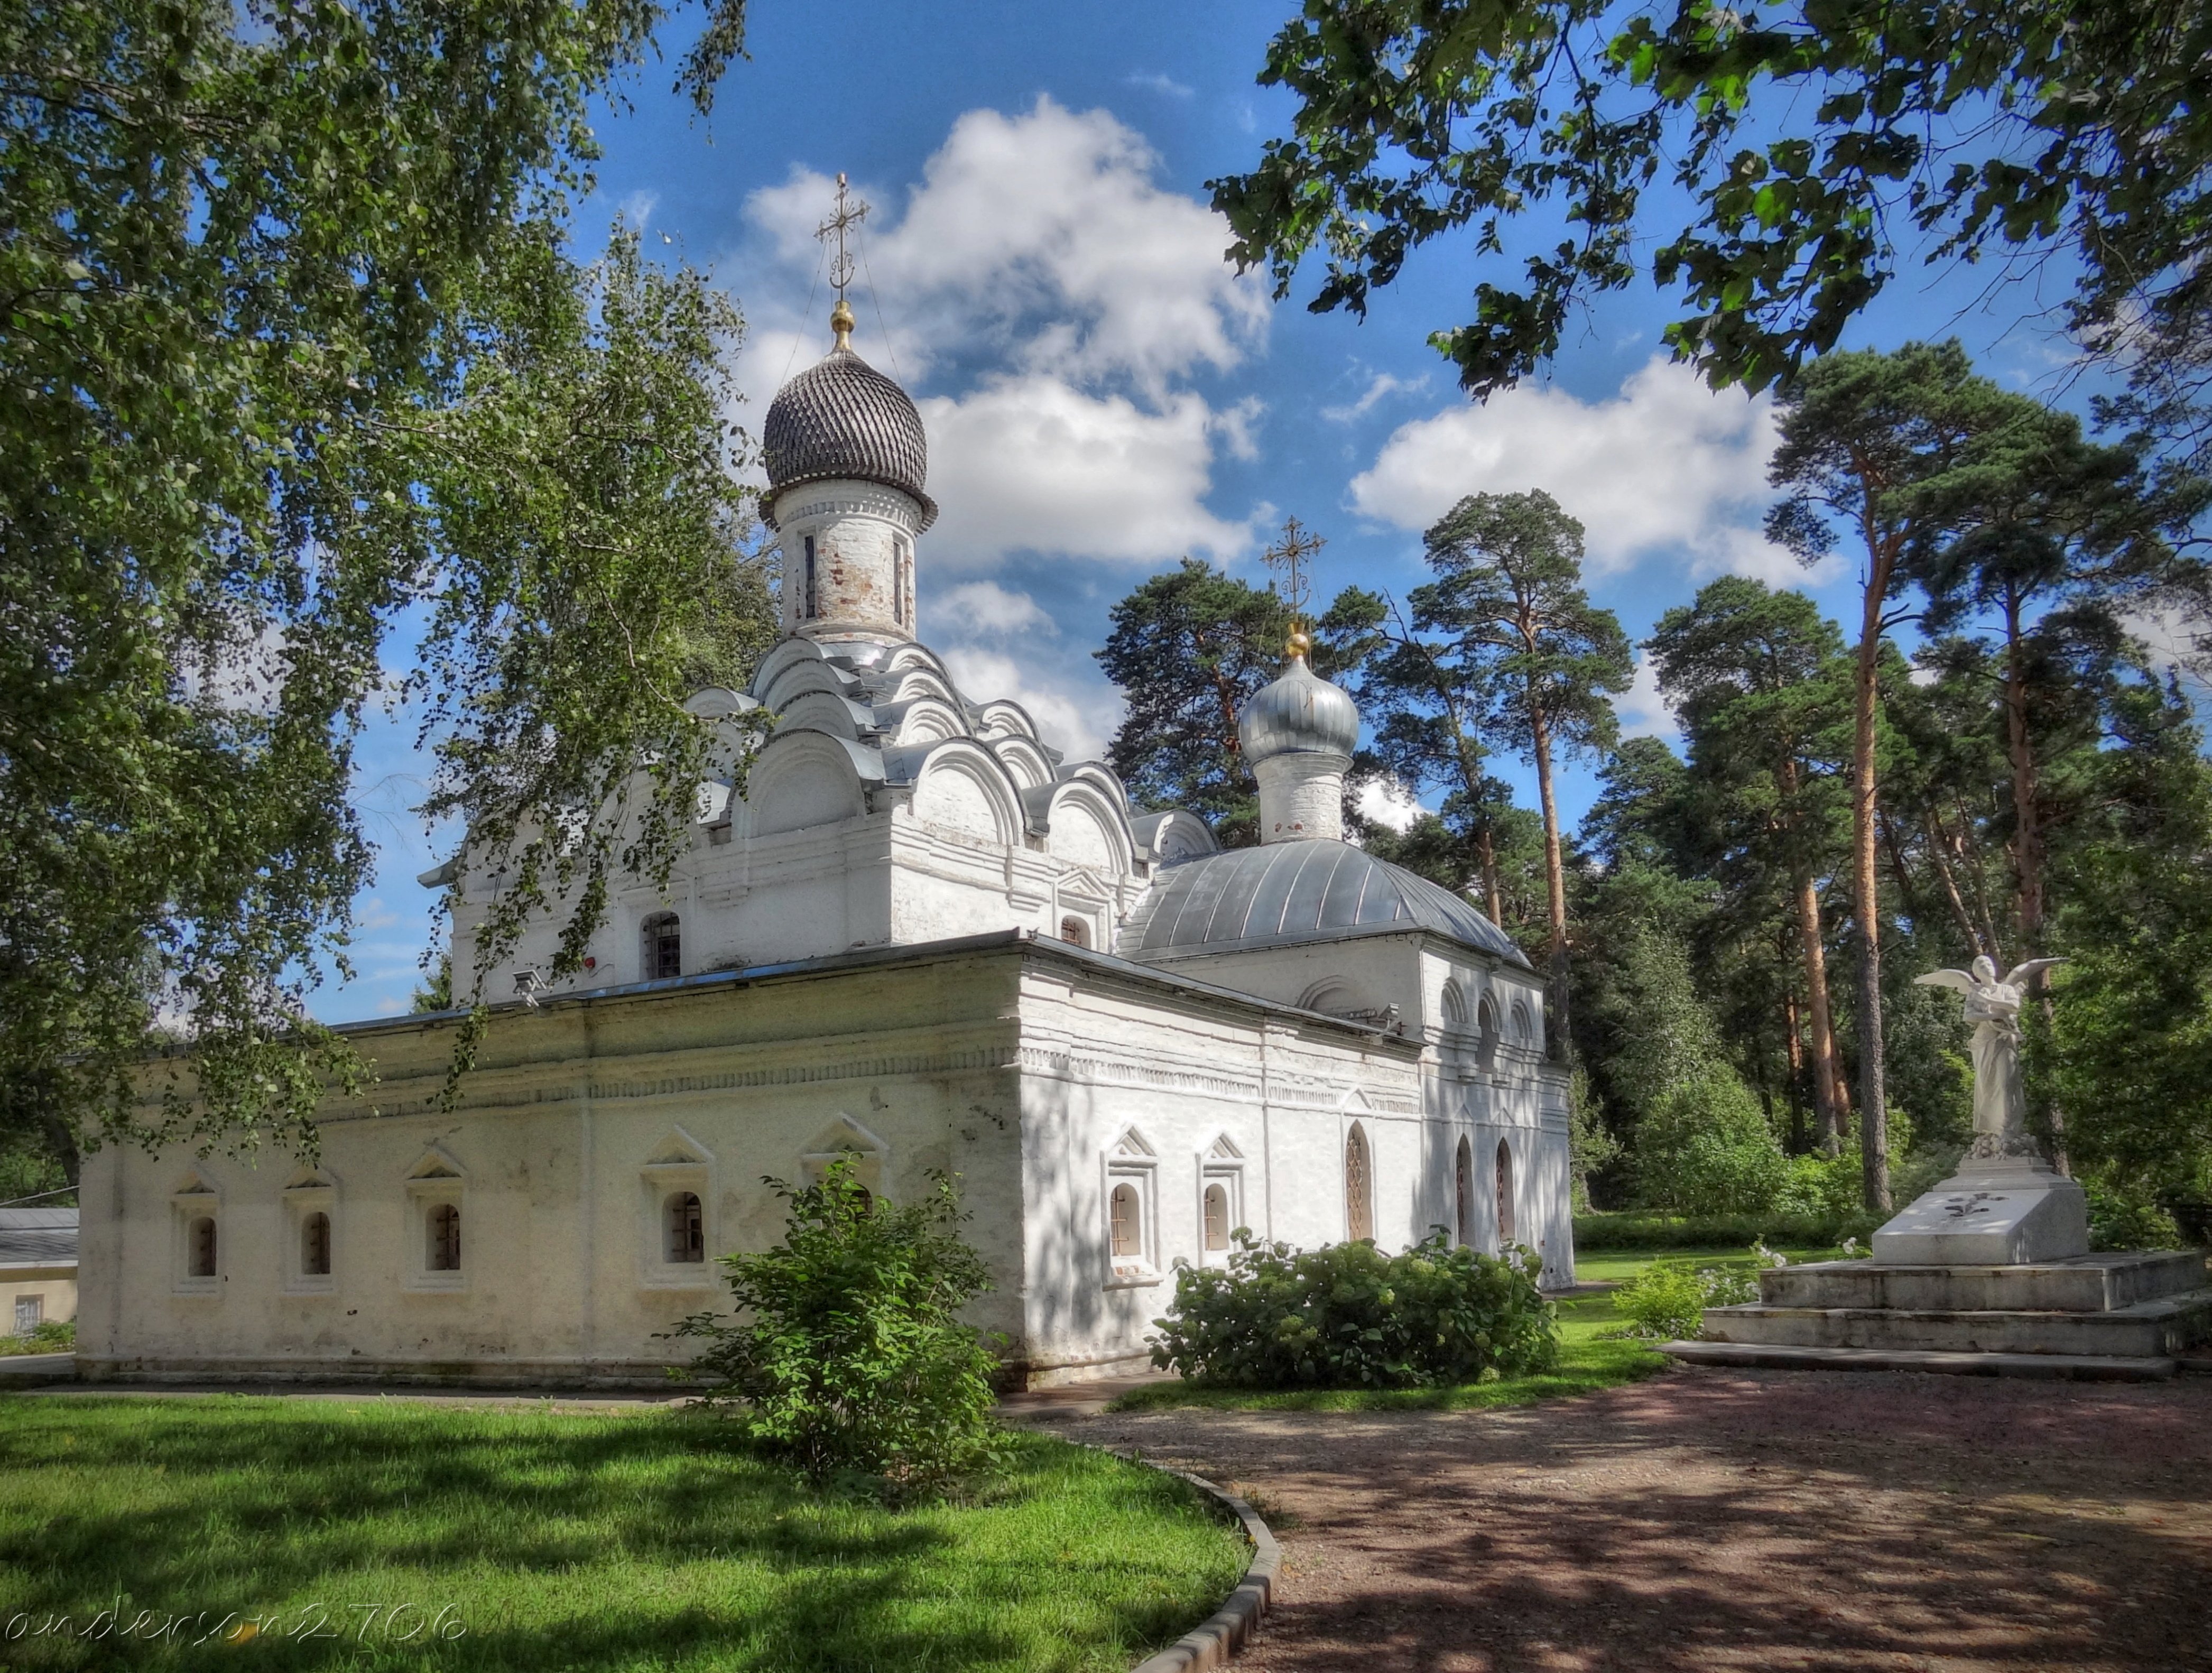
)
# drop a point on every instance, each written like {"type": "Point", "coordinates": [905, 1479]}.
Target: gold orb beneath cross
{"type": "Point", "coordinates": [1299, 644]}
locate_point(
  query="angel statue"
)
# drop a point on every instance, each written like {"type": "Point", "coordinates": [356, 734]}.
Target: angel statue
{"type": "Point", "coordinates": [1993, 1006]}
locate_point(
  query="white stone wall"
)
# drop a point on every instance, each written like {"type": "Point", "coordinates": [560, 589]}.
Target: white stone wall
{"type": "Point", "coordinates": [860, 585]}
{"type": "Point", "coordinates": [1302, 796]}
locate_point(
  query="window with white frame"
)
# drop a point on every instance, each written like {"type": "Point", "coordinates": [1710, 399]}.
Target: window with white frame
{"type": "Point", "coordinates": [437, 1210]}
{"type": "Point", "coordinates": [30, 1313]}
{"type": "Point", "coordinates": [1131, 1202]}
{"type": "Point", "coordinates": [1220, 1199]}
{"type": "Point", "coordinates": [1359, 1186]}
{"type": "Point", "coordinates": [309, 1245]}
{"type": "Point", "coordinates": [196, 1215]}
{"type": "Point", "coordinates": [676, 1187]}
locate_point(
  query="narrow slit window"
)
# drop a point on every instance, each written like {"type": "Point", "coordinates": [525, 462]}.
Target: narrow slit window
{"type": "Point", "coordinates": [663, 935]}
{"type": "Point", "coordinates": [1128, 1228]}
{"type": "Point", "coordinates": [1506, 1231]}
{"type": "Point", "coordinates": [1359, 1186]}
{"type": "Point", "coordinates": [1217, 1217]}
{"type": "Point", "coordinates": [898, 581]}
{"type": "Point", "coordinates": [1463, 1192]}
{"type": "Point", "coordinates": [686, 1228]}
{"type": "Point", "coordinates": [444, 1235]}
{"type": "Point", "coordinates": [199, 1261]}
{"type": "Point", "coordinates": [315, 1245]}
{"type": "Point", "coordinates": [812, 598]}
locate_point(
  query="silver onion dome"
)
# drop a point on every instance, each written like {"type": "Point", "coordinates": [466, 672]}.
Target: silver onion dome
{"type": "Point", "coordinates": [842, 418]}
{"type": "Point", "coordinates": [1299, 711]}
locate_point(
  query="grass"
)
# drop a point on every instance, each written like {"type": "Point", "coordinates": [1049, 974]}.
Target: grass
{"type": "Point", "coordinates": [1590, 1358]}
{"type": "Point", "coordinates": [559, 1541]}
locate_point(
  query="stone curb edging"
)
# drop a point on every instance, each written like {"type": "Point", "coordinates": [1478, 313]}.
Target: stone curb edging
{"type": "Point", "coordinates": [1217, 1638]}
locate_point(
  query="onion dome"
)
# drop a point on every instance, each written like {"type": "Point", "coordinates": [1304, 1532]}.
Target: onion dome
{"type": "Point", "coordinates": [1300, 712]}
{"type": "Point", "coordinates": [842, 418]}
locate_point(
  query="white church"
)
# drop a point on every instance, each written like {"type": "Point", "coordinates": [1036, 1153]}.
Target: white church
{"type": "Point", "coordinates": [921, 939]}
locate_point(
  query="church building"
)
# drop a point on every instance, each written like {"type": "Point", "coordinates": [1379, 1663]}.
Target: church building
{"type": "Point", "coordinates": [921, 939]}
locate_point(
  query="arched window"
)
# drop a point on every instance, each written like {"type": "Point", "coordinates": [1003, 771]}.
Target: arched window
{"type": "Point", "coordinates": [444, 1226]}
{"type": "Point", "coordinates": [663, 935]}
{"type": "Point", "coordinates": [199, 1249]}
{"type": "Point", "coordinates": [1125, 1213]}
{"type": "Point", "coordinates": [686, 1226]}
{"type": "Point", "coordinates": [1524, 1024]}
{"type": "Point", "coordinates": [1463, 1192]}
{"type": "Point", "coordinates": [1454, 1005]}
{"type": "Point", "coordinates": [1506, 1233]}
{"type": "Point", "coordinates": [1359, 1186]}
{"type": "Point", "coordinates": [1217, 1217]}
{"type": "Point", "coordinates": [1075, 932]}
{"type": "Point", "coordinates": [315, 1245]}
{"type": "Point", "coordinates": [1486, 1030]}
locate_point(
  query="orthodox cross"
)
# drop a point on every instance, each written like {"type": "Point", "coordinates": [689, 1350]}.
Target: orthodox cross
{"type": "Point", "coordinates": [1289, 558]}
{"type": "Point", "coordinates": [851, 211]}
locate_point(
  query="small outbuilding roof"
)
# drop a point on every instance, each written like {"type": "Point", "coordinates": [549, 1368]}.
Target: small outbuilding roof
{"type": "Point", "coordinates": [38, 1237]}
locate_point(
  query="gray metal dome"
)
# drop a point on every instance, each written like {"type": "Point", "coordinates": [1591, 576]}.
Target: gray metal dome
{"type": "Point", "coordinates": [1297, 891]}
{"type": "Point", "coordinates": [1299, 711]}
{"type": "Point", "coordinates": [841, 418]}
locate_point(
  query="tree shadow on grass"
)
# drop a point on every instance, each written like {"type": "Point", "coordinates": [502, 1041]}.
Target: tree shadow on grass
{"type": "Point", "coordinates": [583, 1543]}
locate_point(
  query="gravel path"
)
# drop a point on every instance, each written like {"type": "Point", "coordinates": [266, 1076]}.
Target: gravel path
{"type": "Point", "coordinates": [1727, 1519]}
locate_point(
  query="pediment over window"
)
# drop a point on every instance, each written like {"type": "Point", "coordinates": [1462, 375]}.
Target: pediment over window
{"type": "Point", "coordinates": [436, 1162]}
{"type": "Point", "coordinates": [1131, 1146]}
{"type": "Point", "coordinates": [678, 1149]}
{"type": "Point", "coordinates": [844, 1137]}
{"type": "Point", "coordinates": [193, 1183]}
{"type": "Point", "coordinates": [311, 1179]}
{"type": "Point", "coordinates": [1223, 1150]}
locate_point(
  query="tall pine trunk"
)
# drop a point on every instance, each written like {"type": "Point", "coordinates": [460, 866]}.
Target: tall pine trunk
{"type": "Point", "coordinates": [2027, 836]}
{"type": "Point", "coordinates": [1555, 880]}
{"type": "Point", "coordinates": [1828, 1078]}
{"type": "Point", "coordinates": [1866, 880]}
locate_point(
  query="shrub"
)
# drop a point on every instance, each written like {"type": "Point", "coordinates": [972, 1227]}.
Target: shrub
{"type": "Point", "coordinates": [849, 1356]}
{"type": "Point", "coordinates": [1348, 1316]}
{"type": "Point", "coordinates": [52, 1336]}
{"type": "Point", "coordinates": [1703, 1147]}
{"type": "Point", "coordinates": [2119, 1222]}
{"type": "Point", "coordinates": [1594, 1233]}
{"type": "Point", "coordinates": [1668, 1300]}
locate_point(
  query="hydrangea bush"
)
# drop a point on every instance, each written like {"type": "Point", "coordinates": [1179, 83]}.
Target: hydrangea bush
{"type": "Point", "coordinates": [1349, 1315]}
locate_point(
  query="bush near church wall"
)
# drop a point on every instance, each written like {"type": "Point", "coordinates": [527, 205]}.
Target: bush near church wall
{"type": "Point", "coordinates": [1636, 1230]}
{"type": "Point", "coordinates": [1348, 1316]}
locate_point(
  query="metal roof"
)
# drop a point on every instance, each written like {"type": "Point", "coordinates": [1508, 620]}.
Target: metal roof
{"type": "Point", "coordinates": [1296, 891]}
{"type": "Point", "coordinates": [1300, 711]}
{"type": "Point", "coordinates": [842, 418]}
{"type": "Point", "coordinates": [38, 1237]}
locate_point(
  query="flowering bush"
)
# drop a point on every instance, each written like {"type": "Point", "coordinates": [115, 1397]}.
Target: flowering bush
{"type": "Point", "coordinates": [1668, 1301]}
{"type": "Point", "coordinates": [1348, 1316]}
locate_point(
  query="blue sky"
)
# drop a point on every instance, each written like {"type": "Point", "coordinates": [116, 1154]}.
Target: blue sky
{"type": "Point", "coordinates": [1103, 396]}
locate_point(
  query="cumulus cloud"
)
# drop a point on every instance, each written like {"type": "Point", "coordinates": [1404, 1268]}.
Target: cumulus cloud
{"type": "Point", "coordinates": [1666, 466]}
{"type": "Point", "coordinates": [1062, 300]}
{"type": "Point", "coordinates": [1642, 711]}
{"type": "Point", "coordinates": [1382, 384]}
{"type": "Point", "coordinates": [977, 608]}
{"type": "Point", "coordinates": [1030, 463]}
{"type": "Point", "coordinates": [1388, 803]}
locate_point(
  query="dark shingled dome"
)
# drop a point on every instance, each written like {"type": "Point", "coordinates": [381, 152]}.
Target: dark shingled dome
{"type": "Point", "coordinates": [841, 418]}
{"type": "Point", "coordinates": [1296, 891]}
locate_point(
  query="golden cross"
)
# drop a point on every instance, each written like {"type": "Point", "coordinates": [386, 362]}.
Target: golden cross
{"type": "Point", "coordinates": [851, 211]}
{"type": "Point", "coordinates": [1289, 557]}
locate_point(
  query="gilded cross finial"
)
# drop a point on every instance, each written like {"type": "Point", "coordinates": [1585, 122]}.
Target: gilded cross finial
{"type": "Point", "coordinates": [1289, 558]}
{"type": "Point", "coordinates": [851, 211]}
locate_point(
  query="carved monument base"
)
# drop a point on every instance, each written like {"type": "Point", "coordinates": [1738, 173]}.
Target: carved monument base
{"type": "Point", "coordinates": [1997, 1210]}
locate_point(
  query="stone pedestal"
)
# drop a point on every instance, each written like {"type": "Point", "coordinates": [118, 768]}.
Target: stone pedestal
{"type": "Point", "coordinates": [2000, 1211]}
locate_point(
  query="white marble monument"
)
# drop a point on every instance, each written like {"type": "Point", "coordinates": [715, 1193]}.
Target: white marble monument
{"type": "Point", "coordinates": [2006, 1205]}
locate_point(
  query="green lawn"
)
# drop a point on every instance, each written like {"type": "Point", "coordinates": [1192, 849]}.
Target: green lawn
{"type": "Point", "coordinates": [1589, 1358]}
{"type": "Point", "coordinates": [330, 1534]}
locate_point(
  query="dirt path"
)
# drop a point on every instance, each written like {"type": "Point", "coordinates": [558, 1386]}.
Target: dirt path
{"type": "Point", "coordinates": [1717, 1519]}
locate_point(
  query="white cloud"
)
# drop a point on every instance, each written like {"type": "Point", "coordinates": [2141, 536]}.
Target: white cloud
{"type": "Point", "coordinates": [1074, 718]}
{"type": "Point", "coordinates": [1667, 465]}
{"type": "Point", "coordinates": [980, 607]}
{"type": "Point", "coordinates": [1382, 384]}
{"type": "Point", "coordinates": [1030, 464]}
{"type": "Point", "coordinates": [1642, 712]}
{"type": "Point", "coordinates": [1387, 802]}
{"type": "Point", "coordinates": [1159, 82]}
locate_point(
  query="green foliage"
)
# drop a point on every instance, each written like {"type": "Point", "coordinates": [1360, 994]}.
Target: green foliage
{"type": "Point", "coordinates": [1790, 149]}
{"type": "Point", "coordinates": [1636, 1230]}
{"type": "Point", "coordinates": [597, 1542]}
{"type": "Point", "coordinates": [849, 1355]}
{"type": "Point", "coordinates": [1703, 1147]}
{"type": "Point", "coordinates": [1348, 1316]}
{"type": "Point", "coordinates": [52, 1336]}
{"type": "Point", "coordinates": [284, 289]}
{"type": "Point", "coordinates": [2117, 1222]}
{"type": "Point", "coordinates": [1667, 1301]}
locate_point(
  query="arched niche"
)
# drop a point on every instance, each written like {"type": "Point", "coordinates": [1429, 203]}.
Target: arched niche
{"type": "Point", "coordinates": [963, 791]}
{"type": "Point", "coordinates": [1024, 760]}
{"type": "Point", "coordinates": [805, 779]}
{"type": "Point", "coordinates": [1005, 718]}
{"type": "Point", "coordinates": [1087, 830]}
